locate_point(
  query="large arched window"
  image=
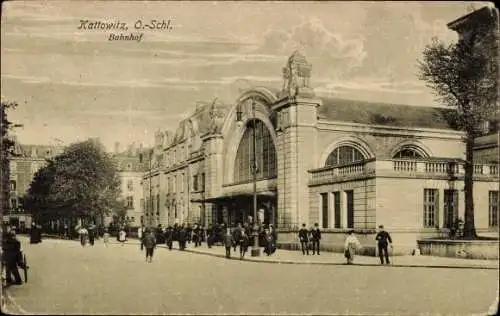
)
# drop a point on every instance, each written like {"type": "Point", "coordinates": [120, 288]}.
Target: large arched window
{"type": "Point", "coordinates": [407, 153]}
{"type": "Point", "coordinates": [265, 153]}
{"type": "Point", "coordinates": [344, 155]}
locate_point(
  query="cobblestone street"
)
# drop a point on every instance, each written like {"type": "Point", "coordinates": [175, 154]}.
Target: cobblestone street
{"type": "Point", "coordinates": [67, 278]}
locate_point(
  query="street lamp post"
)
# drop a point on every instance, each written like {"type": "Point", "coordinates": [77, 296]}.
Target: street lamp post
{"type": "Point", "coordinates": [255, 252]}
{"type": "Point", "coordinates": [151, 185]}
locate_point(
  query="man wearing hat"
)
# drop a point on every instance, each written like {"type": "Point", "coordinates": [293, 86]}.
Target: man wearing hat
{"type": "Point", "coordinates": [384, 239]}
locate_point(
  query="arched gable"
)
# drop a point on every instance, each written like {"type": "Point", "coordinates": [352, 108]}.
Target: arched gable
{"type": "Point", "coordinates": [414, 145]}
{"type": "Point", "coordinates": [262, 96]}
{"type": "Point", "coordinates": [353, 141]}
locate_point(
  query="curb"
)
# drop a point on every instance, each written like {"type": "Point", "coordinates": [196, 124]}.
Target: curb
{"type": "Point", "coordinates": [250, 259]}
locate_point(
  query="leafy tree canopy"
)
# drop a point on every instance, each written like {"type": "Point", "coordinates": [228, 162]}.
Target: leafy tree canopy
{"type": "Point", "coordinates": [82, 181]}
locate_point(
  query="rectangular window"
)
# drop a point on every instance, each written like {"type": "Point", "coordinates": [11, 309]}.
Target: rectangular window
{"type": "Point", "coordinates": [450, 208]}
{"type": "Point", "coordinates": [431, 208]}
{"type": "Point", "coordinates": [350, 208]}
{"type": "Point", "coordinates": [493, 209]}
{"type": "Point", "coordinates": [195, 182]}
{"type": "Point", "coordinates": [130, 185]}
{"type": "Point", "coordinates": [337, 210]}
{"type": "Point", "coordinates": [130, 202]}
{"type": "Point", "coordinates": [203, 181]}
{"type": "Point", "coordinates": [324, 209]}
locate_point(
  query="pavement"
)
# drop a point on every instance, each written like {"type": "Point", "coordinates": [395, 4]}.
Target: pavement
{"type": "Point", "coordinates": [333, 258]}
{"type": "Point", "coordinates": [66, 278]}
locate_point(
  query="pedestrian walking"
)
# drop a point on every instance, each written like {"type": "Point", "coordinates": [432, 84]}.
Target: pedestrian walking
{"type": "Point", "coordinates": [182, 237]}
{"type": "Point", "coordinates": [383, 240]}
{"type": "Point", "coordinates": [91, 236]}
{"type": "Point", "coordinates": [304, 239]}
{"type": "Point", "coordinates": [122, 236]}
{"type": "Point", "coordinates": [315, 238]}
{"type": "Point", "coordinates": [228, 242]}
{"type": "Point", "coordinates": [236, 236]}
{"type": "Point", "coordinates": [244, 241]}
{"type": "Point", "coordinates": [149, 241]}
{"type": "Point", "coordinates": [169, 237]}
{"type": "Point", "coordinates": [105, 237]}
{"type": "Point", "coordinates": [351, 244]}
{"type": "Point", "coordinates": [83, 236]}
{"type": "Point", "coordinates": [269, 245]}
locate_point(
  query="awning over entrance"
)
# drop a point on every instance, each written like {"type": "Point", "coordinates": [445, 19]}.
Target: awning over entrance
{"type": "Point", "coordinates": [235, 196]}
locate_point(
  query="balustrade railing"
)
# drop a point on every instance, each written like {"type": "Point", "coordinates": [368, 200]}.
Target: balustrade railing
{"type": "Point", "coordinates": [398, 166]}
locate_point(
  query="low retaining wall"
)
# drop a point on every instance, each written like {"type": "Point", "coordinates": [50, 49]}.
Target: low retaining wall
{"type": "Point", "coordinates": [467, 249]}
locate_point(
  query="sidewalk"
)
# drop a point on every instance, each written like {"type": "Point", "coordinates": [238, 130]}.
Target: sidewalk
{"type": "Point", "coordinates": [333, 258]}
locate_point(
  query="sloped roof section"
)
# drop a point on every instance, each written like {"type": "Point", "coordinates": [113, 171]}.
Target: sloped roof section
{"type": "Point", "coordinates": [372, 113]}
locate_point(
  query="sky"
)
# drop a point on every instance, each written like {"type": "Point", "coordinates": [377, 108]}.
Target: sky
{"type": "Point", "coordinates": [72, 83]}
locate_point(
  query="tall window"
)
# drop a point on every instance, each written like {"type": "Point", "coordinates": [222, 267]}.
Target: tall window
{"type": "Point", "coordinates": [324, 209]}
{"type": "Point", "coordinates": [431, 207]}
{"type": "Point", "coordinates": [344, 155]}
{"type": "Point", "coordinates": [130, 185]}
{"type": "Point", "coordinates": [12, 185]}
{"type": "Point", "coordinates": [493, 209]}
{"type": "Point", "coordinates": [350, 208]}
{"type": "Point", "coordinates": [450, 207]}
{"type": "Point", "coordinates": [264, 150]}
{"type": "Point", "coordinates": [130, 202]}
{"type": "Point", "coordinates": [195, 182]}
{"type": "Point", "coordinates": [203, 181]}
{"type": "Point", "coordinates": [407, 153]}
{"type": "Point", "coordinates": [336, 199]}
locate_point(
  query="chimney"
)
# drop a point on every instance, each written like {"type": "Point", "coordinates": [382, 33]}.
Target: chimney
{"type": "Point", "coordinates": [117, 147]}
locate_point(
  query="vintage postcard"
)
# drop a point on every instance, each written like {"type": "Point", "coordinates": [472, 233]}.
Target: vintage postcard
{"type": "Point", "coordinates": [257, 158]}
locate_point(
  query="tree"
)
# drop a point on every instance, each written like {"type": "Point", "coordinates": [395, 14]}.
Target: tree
{"type": "Point", "coordinates": [82, 182]}
{"type": "Point", "coordinates": [464, 76]}
{"type": "Point", "coordinates": [7, 151]}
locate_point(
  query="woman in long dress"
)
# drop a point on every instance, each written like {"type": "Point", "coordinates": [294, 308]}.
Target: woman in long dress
{"type": "Point", "coordinates": [351, 244]}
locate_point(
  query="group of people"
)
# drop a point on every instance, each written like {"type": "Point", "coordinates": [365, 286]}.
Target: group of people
{"type": "Point", "coordinates": [383, 239]}
{"type": "Point", "coordinates": [310, 239]}
{"type": "Point", "coordinates": [240, 236]}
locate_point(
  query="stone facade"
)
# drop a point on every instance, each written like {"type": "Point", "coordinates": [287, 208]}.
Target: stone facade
{"type": "Point", "coordinates": [399, 154]}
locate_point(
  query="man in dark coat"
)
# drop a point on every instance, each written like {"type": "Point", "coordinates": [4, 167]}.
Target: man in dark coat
{"type": "Point", "coordinates": [383, 239]}
{"type": "Point", "coordinates": [315, 238]}
{"type": "Point", "coordinates": [182, 237]}
{"type": "Point", "coordinates": [236, 236]}
{"type": "Point", "coordinates": [92, 235]}
{"type": "Point", "coordinates": [169, 237]}
{"type": "Point", "coordinates": [304, 239]}
{"type": "Point", "coordinates": [149, 241]}
{"type": "Point", "coordinates": [12, 257]}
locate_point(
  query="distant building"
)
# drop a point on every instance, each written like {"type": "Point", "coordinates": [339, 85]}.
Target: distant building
{"type": "Point", "coordinates": [27, 160]}
{"type": "Point", "coordinates": [131, 171]}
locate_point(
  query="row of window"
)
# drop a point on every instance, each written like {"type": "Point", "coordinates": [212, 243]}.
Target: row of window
{"type": "Point", "coordinates": [450, 204]}
{"type": "Point", "coordinates": [343, 214]}
{"type": "Point", "coordinates": [348, 154]}
{"type": "Point", "coordinates": [344, 218]}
